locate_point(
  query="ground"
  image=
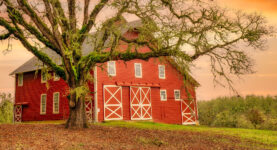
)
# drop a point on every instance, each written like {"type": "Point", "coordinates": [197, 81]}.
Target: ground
{"type": "Point", "coordinates": [131, 135]}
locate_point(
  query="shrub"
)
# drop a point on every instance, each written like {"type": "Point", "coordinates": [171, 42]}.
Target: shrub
{"type": "Point", "coordinates": [244, 112]}
{"type": "Point", "coordinates": [255, 117]}
{"type": "Point", "coordinates": [270, 123]}
{"type": "Point", "coordinates": [225, 119]}
{"type": "Point", "coordinates": [243, 122]}
{"type": "Point", "coordinates": [6, 108]}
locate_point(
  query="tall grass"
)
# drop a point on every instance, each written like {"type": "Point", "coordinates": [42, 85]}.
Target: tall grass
{"type": "Point", "coordinates": [242, 112]}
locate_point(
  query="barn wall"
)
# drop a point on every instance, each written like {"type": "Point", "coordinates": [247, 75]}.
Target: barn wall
{"type": "Point", "coordinates": [31, 92]}
{"type": "Point", "coordinates": [162, 111]}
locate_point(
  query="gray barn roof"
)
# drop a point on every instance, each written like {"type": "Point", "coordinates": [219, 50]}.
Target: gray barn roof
{"type": "Point", "coordinates": [88, 46]}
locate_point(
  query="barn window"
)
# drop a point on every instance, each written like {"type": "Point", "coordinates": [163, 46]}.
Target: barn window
{"type": "Point", "coordinates": [43, 77]}
{"type": "Point", "coordinates": [163, 95]}
{"type": "Point", "coordinates": [56, 103]}
{"type": "Point", "coordinates": [20, 79]}
{"type": "Point", "coordinates": [177, 94]}
{"type": "Point", "coordinates": [138, 70]}
{"type": "Point", "coordinates": [111, 68]}
{"type": "Point", "coordinates": [43, 104]}
{"type": "Point", "coordinates": [56, 77]}
{"type": "Point", "coordinates": [161, 71]}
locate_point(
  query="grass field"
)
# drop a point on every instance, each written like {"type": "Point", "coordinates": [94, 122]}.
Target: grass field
{"type": "Point", "coordinates": [264, 136]}
{"type": "Point", "coordinates": [132, 135]}
{"type": "Point", "coordinates": [267, 137]}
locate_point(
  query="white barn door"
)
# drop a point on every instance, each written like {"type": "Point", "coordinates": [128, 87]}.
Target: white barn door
{"type": "Point", "coordinates": [113, 102]}
{"type": "Point", "coordinates": [188, 112]}
{"type": "Point", "coordinates": [140, 102]}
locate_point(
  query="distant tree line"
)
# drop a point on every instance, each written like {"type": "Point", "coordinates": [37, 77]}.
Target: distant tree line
{"type": "Point", "coordinates": [6, 108]}
{"type": "Point", "coordinates": [240, 112]}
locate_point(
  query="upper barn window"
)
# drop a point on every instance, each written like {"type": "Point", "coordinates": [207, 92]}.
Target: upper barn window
{"type": "Point", "coordinates": [111, 68]}
{"type": "Point", "coordinates": [177, 94]}
{"type": "Point", "coordinates": [20, 79]}
{"type": "Point", "coordinates": [138, 70]}
{"type": "Point", "coordinates": [161, 71]}
{"type": "Point", "coordinates": [43, 77]}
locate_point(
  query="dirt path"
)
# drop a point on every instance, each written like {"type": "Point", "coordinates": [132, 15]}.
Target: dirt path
{"type": "Point", "coordinates": [46, 137]}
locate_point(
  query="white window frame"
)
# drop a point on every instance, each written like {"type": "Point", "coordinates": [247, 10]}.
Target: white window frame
{"type": "Point", "coordinates": [41, 76]}
{"type": "Point", "coordinates": [56, 112]}
{"type": "Point", "coordinates": [159, 71]}
{"type": "Point", "coordinates": [177, 99]}
{"type": "Point", "coordinates": [138, 76]}
{"type": "Point", "coordinates": [163, 90]}
{"type": "Point", "coordinates": [20, 76]}
{"type": "Point", "coordinates": [114, 66]}
{"type": "Point", "coordinates": [43, 113]}
{"type": "Point", "coordinates": [56, 77]}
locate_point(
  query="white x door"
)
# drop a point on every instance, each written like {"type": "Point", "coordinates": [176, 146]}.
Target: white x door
{"type": "Point", "coordinates": [17, 113]}
{"type": "Point", "coordinates": [89, 110]}
{"type": "Point", "coordinates": [112, 102]}
{"type": "Point", "coordinates": [140, 101]}
{"type": "Point", "coordinates": [188, 112]}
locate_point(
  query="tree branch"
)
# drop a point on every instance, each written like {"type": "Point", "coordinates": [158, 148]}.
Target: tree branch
{"type": "Point", "coordinates": [40, 55]}
{"type": "Point", "coordinates": [17, 17]}
{"type": "Point", "coordinates": [36, 19]}
{"type": "Point", "coordinates": [86, 28]}
{"type": "Point", "coordinates": [72, 14]}
{"type": "Point", "coordinates": [86, 6]}
{"type": "Point", "coordinates": [5, 36]}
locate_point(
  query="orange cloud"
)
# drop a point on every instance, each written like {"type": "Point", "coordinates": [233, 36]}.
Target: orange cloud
{"type": "Point", "coordinates": [259, 5]}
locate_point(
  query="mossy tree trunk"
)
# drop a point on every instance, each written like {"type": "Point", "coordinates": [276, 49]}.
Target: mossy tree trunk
{"type": "Point", "coordinates": [77, 116]}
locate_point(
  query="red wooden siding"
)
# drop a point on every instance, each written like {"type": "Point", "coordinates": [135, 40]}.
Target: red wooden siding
{"type": "Point", "coordinates": [162, 111]}
{"type": "Point", "coordinates": [31, 92]}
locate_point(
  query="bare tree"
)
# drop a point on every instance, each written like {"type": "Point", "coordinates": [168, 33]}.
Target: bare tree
{"type": "Point", "coordinates": [183, 29]}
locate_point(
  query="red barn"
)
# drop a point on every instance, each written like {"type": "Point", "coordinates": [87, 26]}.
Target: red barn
{"type": "Point", "coordinates": [135, 90]}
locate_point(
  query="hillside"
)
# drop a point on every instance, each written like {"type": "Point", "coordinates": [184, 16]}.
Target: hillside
{"type": "Point", "coordinates": [131, 135]}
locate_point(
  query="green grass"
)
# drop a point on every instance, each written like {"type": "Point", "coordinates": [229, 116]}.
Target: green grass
{"type": "Point", "coordinates": [264, 136]}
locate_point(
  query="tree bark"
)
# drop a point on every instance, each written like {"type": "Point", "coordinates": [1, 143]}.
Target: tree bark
{"type": "Point", "coordinates": [77, 115]}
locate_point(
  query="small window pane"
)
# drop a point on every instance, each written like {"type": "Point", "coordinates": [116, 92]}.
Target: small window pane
{"type": "Point", "coordinates": [138, 70]}
{"type": "Point", "coordinates": [56, 100]}
{"type": "Point", "coordinates": [20, 79]}
{"type": "Point", "coordinates": [161, 71]}
{"type": "Point", "coordinates": [111, 68]}
{"type": "Point", "coordinates": [43, 104]}
{"type": "Point", "coordinates": [177, 94]}
{"type": "Point", "coordinates": [163, 95]}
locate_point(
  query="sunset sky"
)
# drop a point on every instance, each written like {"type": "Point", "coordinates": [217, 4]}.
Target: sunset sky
{"type": "Point", "coordinates": [263, 82]}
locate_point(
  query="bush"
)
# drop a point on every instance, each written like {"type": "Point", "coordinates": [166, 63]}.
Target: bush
{"type": "Point", "coordinates": [243, 122]}
{"type": "Point", "coordinates": [255, 117]}
{"type": "Point", "coordinates": [6, 108]}
{"type": "Point", "coordinates": [225, 119]}
{"type": "Point", "coordinates": [244, 112]}
{"type": "Point", "coordinates": [270, 123]}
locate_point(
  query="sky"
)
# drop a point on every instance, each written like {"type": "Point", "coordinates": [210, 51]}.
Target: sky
{"type": "Point", "coordinates": [263, 82]}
